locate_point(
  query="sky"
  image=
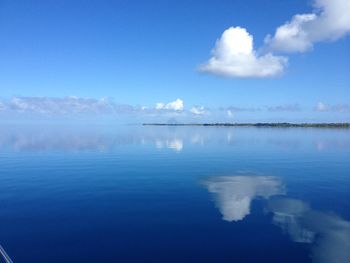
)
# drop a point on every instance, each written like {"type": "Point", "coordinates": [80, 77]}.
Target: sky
{"type": "Point", "coordinates": [184, 60]}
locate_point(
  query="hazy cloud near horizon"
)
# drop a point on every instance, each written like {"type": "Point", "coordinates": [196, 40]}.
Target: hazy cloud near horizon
{"type": "Point", "coordinates": [324, 107]}
{"type": "Point", "coordinates": [286, 107]}
{"type": "Point", "coordinates": [173, 111]}
{"type": "Point", "coordinates": [79, 105]}
{"type": "Point", "coordinates": [72, 106]}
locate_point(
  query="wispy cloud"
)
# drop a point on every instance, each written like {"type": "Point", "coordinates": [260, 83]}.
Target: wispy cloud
{"type": "Point", "coordinates": [63, 106]}
{"type": "Point", "coordinates": [230, 114]}
{"type": "Point", "coordinates": [199, 110]}
{"type": "Point", "coordinates": [324, 107]}
{"type": "Point", "coordinates": [2, 106]}
{"type": "Point", "coordinates": [286, 107]}
{"type": "Point", "coordinates": [240, 109]}
{"type": "Point", "coordinates": [72, 105]}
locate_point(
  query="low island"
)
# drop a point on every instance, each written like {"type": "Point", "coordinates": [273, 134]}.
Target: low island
{"type": "Point", "coordinates": [262, 125]}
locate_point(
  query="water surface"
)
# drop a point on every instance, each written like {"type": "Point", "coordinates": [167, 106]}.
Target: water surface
{"type": "Point", "coordinates": [174, 194]}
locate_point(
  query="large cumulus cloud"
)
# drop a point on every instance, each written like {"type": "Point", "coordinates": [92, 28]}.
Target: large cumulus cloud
{"type": "Point", "coordinates": [234, 54]}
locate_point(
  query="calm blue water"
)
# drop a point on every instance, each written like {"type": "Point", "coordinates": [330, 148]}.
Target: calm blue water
{"type": "Point", "coordinates": [174, 194]}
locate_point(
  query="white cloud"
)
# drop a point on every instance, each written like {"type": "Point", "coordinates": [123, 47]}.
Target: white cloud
{"type": "Point", "coordinates": [177, 105]}
{"type": "Point", "coordinates": [329, 22]}
{"type": "Point", "coordinates": [234, 56]}
{"type": "Point", "coordinates": [159, 106]}
{"type": "Point", "coordinates": [199, 110]}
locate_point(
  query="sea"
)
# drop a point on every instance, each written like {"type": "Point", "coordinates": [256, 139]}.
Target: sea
{"type": "Point", "coordinates": [133, 193]}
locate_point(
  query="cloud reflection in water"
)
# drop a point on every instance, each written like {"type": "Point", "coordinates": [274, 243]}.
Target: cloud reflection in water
{"type": "Point", "coordinates": [234, 194]}
{"type": "Point", "coordinates": [174, 144]}
{"type": "Point", "coordinates": [327, 233]}
{"type": "Point", "coordinates": [104, 138]}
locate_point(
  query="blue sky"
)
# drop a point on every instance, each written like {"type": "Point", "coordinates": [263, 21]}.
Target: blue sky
{"type": "Point", "coordinates": [140, 53]}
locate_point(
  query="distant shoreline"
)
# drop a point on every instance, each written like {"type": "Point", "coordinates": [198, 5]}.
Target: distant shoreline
{"type": "Point", "coordinates": [260, 125]}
